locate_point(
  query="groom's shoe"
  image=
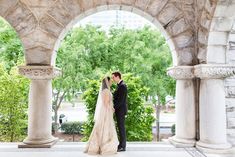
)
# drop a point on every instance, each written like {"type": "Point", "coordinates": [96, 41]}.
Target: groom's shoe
{"type": "Point", "coordinates": [121, 149]}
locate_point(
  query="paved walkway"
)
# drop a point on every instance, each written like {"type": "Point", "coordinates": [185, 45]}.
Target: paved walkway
{"type": "Point", "coordinates": [64, 149]}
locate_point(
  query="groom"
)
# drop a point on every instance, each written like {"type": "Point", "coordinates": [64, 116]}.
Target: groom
{"type": "Point", "coordinates": [120, 106]}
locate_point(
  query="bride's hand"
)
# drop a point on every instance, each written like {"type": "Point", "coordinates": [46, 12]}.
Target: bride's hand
{"type": "Point", "coordinates": [113, 109]}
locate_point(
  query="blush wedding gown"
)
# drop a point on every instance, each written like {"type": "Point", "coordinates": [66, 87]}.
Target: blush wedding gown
{"type": "Point", "coordinates": [103, 139]}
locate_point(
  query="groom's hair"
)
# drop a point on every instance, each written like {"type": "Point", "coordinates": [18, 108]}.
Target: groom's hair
{"type": "Point", "coordinates": [117, 74]}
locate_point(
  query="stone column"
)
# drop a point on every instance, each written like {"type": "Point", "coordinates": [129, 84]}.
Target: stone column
{"type": "Point", "coordinates": [212, 106]}
{"type": "Point", "coordinates": [185, 132]}
{"type": "Point", "coordinates": [40, 106]}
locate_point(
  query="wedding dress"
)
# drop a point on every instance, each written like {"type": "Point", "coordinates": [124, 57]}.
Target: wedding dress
{"type": "Point", "coordinates": [103, 138]}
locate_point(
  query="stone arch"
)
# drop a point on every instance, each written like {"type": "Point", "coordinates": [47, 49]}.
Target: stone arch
{"type": "Point", "coordinates": [215, 26]}
{"type": "Point", "coordinates": [222, 51]}
{"type": "Point", "coordinates": [176, 25]}
{"type": "Point", "coordinates": [205, 12]}
{"type": "Point", "coordinates": [22, 18]}
{"type": "Point", "coordinates": [19, 16]}
{"type": "Point", "coordinates": [41, 23]}
{"type": "Point", "coordinates": [7, 16]}
{"type": "Point", "coordinates": [220, 32]}
{"type": "Point", "coordinates": [116, 7]}
{"type": "Point", "coordinates": [215, 31]}
{"type": "Point", "coordinates": [166, 15]}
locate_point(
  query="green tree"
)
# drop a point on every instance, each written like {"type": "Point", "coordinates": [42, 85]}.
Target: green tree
{"type": "Point", "coordinates": [89, 52]}
{"type": "Point", "coordinates": [161, 85]}
{"type": "Point", "coordinates": [145, 53]}
{"type": "Point", "coordinates": [13, 105]}
{"type": "Point", "coordinates": [80, 57]}
{"type": "Point", "coordinates": [11, 50]}
{"type": "Point", "coordinates": [13, 88]}
{"type": "Point", "coordinates": [139, 118]}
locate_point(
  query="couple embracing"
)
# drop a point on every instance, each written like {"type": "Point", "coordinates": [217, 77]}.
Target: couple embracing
{"type": "Point", "coordinates": [104, 138]}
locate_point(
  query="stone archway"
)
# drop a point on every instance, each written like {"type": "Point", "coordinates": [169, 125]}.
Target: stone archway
{"type": "Point", "coordinates": [42, 24]}
{"type": "Point", "coordinates": [37, 22]}
{"type": "Point", "coordinates": [220, 54]}
{"type": "Point", "coordinates": [175, 33]}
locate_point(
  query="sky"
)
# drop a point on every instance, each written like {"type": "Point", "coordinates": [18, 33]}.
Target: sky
{"type": "Point", "coordinates": [106, 19]}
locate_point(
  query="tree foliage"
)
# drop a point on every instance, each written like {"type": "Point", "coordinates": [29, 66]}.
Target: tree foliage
{"type": "Point", "coordinates": [11, 50]}
{"type": "Point", "coordinates": [13, 105]}
{"type": "Point", "coordinates": [80, 58]}
{"type": "Point", "coordinates": [13, 87]}
{"type": "Point", "coordinates": [87, 52]}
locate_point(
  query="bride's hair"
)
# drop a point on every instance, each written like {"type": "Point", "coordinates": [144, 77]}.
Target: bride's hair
{"type": "Point", "coordinates": [104, 83]}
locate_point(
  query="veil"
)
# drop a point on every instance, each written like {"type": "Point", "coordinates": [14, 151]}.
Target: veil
{"type": "Point", "coordinates": [99, 102]}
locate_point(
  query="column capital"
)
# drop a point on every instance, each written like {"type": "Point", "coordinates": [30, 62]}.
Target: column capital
{"type": "Point", "coordinates": [181, 72]}
{"type": "Point", "coordinates": [39, 72]}
{"type": "Point", "coordinates": [213, 71]}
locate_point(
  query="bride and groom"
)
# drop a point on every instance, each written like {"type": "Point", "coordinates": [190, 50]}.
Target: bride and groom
{"type": "Point", "coordinates": [103, 138]}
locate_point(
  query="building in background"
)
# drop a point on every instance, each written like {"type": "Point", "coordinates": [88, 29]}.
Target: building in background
{"type": "Point", "coordinates": [107, 19]}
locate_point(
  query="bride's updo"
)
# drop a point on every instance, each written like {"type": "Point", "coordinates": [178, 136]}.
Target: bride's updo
{"type": "Point", "coordinates": [105, 83]}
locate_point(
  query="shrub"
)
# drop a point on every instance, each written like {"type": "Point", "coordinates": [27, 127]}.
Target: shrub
{"type": "Point", "coordinates": [72, 127]}
{"type": "Point", "coordinates": [13, 105]}
{"type": "Point", "coordinates": [139, 117]}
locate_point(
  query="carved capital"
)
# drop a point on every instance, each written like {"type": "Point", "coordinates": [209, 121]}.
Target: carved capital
{"type": "Point", "coordinates": [39, 72]}
{"type": "Point", "coordinates": [213, 71]}
{"type": "Point", "coordinates": [181, 72]}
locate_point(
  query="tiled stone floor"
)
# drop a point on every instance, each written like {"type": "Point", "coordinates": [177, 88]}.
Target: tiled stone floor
{"type": "Point", "coordinates": [63, 149]}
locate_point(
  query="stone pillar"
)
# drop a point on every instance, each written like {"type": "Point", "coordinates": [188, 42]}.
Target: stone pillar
{"type": "Point", "coordinates": [40, 106]}
{"type": "Point", "coordinates": [212, 106]}
{"type": "Point", "coordinates": [185, 132]}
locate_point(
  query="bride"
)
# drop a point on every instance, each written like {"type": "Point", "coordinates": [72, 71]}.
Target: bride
{"type": "Point", "coordinates": [103, 138]}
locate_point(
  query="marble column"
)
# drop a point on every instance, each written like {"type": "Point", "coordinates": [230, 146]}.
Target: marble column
{"type": "Point", "coordinates": [185, 131]}
{"type": "Point", "coordinates": [212, 106]}
{"type": "Point", "coordinates": [40, 106]}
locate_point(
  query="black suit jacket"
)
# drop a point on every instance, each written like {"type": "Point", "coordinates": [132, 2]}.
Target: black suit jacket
{"type": "Point", "coordinates": [120, 98]}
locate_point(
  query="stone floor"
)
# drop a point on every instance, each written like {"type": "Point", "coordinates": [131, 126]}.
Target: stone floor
{"type": "Point", "coordinates": [63, 149]}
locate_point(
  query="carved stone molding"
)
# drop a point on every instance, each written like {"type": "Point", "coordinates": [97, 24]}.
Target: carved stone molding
{"type": "Point", "coordinates": [181, 72]}
{"type": "Point", "coordinates": [213, 71]}
{"type": "Point", "coordinates": [39, 72]}
{"type": "Point", "coordinates": [230, 92]}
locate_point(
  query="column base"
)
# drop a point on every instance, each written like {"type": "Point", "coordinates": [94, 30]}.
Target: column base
{"type": "Point", "coordinates": [42, 143]}
{"type": "Point", "coordinates": [225, 148]}
{"type": "Point", "coordinates": [182, 143]}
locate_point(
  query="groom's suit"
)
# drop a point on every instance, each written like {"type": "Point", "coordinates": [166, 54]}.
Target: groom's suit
{"type": "Point", "coordinates": [120, 106]}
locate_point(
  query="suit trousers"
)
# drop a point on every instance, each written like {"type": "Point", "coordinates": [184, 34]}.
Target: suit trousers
{"type": "Point", "coordinates": [120, 116]}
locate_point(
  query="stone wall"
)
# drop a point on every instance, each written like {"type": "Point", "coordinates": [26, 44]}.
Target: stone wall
{"type": "Point", "coordinates": [230, 108]}
{"type": "Point", "coordinates": [221, 50]}
{"type": "Point", "coordinates": [204, 14]}
{"type": "Point", "coordinates": [230, 88]}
